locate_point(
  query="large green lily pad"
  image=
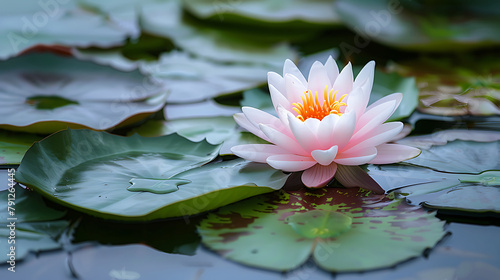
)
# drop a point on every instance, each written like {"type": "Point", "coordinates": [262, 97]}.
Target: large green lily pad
{"type": "Point", "coordinates": [36, 226]}
{"type": "Point", "coordinates": [469, 85]}
{"type": "Point", "coordinates": [342, 229]}
{"type": "Point", "coordinates": [461, 175]}
{"type": "Point", "coordinates": [139, 178]}
{"type": "Point", "coordinates": [422, 25]}
{"type": "Point", "coordinates": [29, 23]}
{"type": "Point", "coordinates": [38, 98]}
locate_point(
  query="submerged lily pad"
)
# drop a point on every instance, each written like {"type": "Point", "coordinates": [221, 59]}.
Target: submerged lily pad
{"type": "Point", "coordinates": [460, 175]}
{"type": "Point", "coordinates": [38, 98]}
{"type": "Point", "coordinates": [36, 226]}
{"type": "Point", "coordinates": [29, 23]}
{"type": "Point", "coordinates": [342, 229]}
{"type": "Point", "coordinates": [466, 85]}
{"type": "Point", "coordinates": [93, 172]}
{"type": "Point", "coordinates": [422, 25]}
{"type": "Point", "coordinates": [13, 145]}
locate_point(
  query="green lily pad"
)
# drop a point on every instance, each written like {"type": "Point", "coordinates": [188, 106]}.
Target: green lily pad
{"type": "Point", "coordinates": [36, 225]}
{"type": "Point", "coordinates": [192, 79]}
{"type": "Point", "coordinates": [30, 23]}
{"type": "Point", "coordinates": [461, 175]}
{"type": "Point", "coordinates": [42, 99]}
{"type": "Point", "coordinates": [216, 130]}
{"type": "Point", "coordinates": [452, 87]}
{"type": "Point", "coordinates": [342, 229]}
{"type": "Point", "coordinates": [92, 172]}
{"type": "Point", "coordinates": [422, 26]}
{"type": "Point", "coordinates": [13, 145]}
{"type": "Point", "coordinates": [165, 19]}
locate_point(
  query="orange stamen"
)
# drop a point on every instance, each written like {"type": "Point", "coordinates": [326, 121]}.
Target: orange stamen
{"type": "Point", "coordinates": [311, 107]}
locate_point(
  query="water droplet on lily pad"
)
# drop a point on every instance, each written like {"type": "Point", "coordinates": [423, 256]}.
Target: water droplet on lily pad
{"type": "Point", "coordinates": [319, 223]}
{"type": "Point", "coordinates": [158, 186]}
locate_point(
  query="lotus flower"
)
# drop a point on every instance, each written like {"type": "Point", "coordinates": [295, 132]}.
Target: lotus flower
{"type": "Point", "coordinates": [324, 124]}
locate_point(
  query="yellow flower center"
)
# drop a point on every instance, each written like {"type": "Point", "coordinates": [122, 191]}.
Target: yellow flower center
{"type": "Point", "coordinates": [311, 107]}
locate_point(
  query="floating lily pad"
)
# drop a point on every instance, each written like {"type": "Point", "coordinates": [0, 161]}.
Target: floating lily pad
{"type": "Point", "coordinates": [467, 85]}
{"type": "Point", "coordinates": [165, 19]}
{"type": "Point", "coordinates": [193, 79]}
{"type": "Point", "coordinates": [42, 99]}
{"type": "Point", "coordinates": [342, 229]}
{"type": "Point", "coordinates": [459, 175]}
{"type": "Point", "coordinates": [298, 13]}
{"type": "Point", "coordinates": [93, 172]}
{"type": "Point", "coordinates": [36, 226]}
{"type": "Point", "coordinates": [419, 25]}
{"type": "Point", "coordinates": [29, 23]}
{"type": "Point", "coordinates": [13, 145]}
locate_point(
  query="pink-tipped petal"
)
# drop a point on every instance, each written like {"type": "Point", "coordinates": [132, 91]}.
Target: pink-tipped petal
{"type": "Point", "coordinates": [344, 81]}
{"type": "Point", "coordinates": [283, 140]}
{"type": "Point", "coordinates": [379, 135]}
{"type": "Point", "coordinates": [343, 130]}
{"type": "Point", "coordinates": [359, 157]}
{"type": "Point", "coordinates": [355, 176]}
{"type": "Point", "coordinates": [392, 153]}
{"type": "Point", "coordinates": [395, 96]}
{"type": "Point", "coordinates": [357, 101]}
{"type": "Point", "coordinates": [294, 89]}
{"type": "Point", "coordinates": [365, 76]}
{"type": "Point", "coordinates": [374, 117]}
{"type": "Point", "coordinates": [318, 79]}
{"type": "Point", "coordinates": [276, 80]}
{"type": "Point", "coordinates": [278, 99]}
{"type": "Point", "coordinates": [242, 121]}
{"type": "Point", "coordinates": [325, 157]}
{"type": "Point", "coordinates": [291, 68]}
{"type": "Point", "coordinates": [332, 70]}
{"type": "Point", "coordinates": [257, 117]}
{"type": "Point", "coordinates": [318, 175]}
{"type": "Point", "coordinates": [303, 134]}
{"type": "Point", "coordinates": [257, 152]}
{"type": "Point", "coordinates": [290, 163]}
{"type": "Point", "coordinates": [325, 131]}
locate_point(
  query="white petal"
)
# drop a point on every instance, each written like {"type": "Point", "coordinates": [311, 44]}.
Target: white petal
{"type": "Point", "coordinates": [392, 153]}
{"type": "Point", "coordinates": [325, 157]}
{"type": "Point", "coordinates": [357, 101]}
{"type": "Point", "coordinates": [318, 175]}
{"type": "Point", "coordinates": [276, 80]}
{"type": "Point", "coordinates": [325, 131]}
{"type": "Point", "coordinates": [257, 152]}
{"type": "Point", "coordinates": [344, 81]}
{"type": "Point", "coordinates": [242, 121]}
{"type": "Point", "coordinates": [282, 140]}
{"type": "Point", "coordinates": [278, 99]}
{"type": "Point", "coordinates": [355, 176]}
{"type": "Point", "coordinates": [290, 68]}
{"type": "Point", "coordinates": [294, 89]}
{"type": "Point", "coordinates": [357, 158]}
{"type": "Point", "coordinates": [303, 134]}
{"type": "Point", "coordinates": [318, 79]}
{"type": "Point", "coordinates": [290, 163]}
{"type": "Point", "coordinates": [366, 76]}
{"type": "Point", "coordinates": [332, 70]}
{"type": "Point", "coordinates": [343, 130]}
